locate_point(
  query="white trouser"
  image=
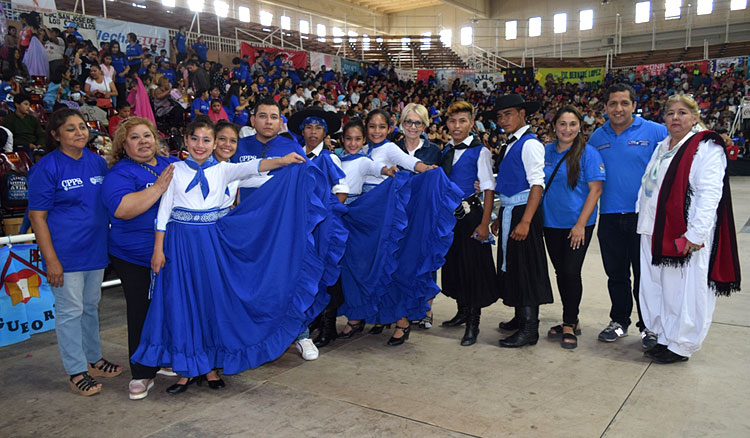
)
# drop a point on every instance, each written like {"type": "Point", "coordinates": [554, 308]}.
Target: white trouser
{"type": "Point", "coordinates": [676, 303]}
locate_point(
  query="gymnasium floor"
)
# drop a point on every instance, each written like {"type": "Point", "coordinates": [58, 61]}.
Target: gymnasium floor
{"type": "Point", "coordinates": [429, 387]}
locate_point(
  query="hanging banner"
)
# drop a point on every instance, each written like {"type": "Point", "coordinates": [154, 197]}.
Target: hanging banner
{"type": "Point", "coordinates": [86, 25]}
{"type": "Point", "coordinates": [691, 67]}
{"type": "Point", "coordinates": [27, 306]}
{"type": "Point", "coordinates": [353, 67]}
{"type": "Point", "coordinates": [488, 82]}
{"type": "Point", "coordinates": [518, 76]}
{"type": "Point", "coordinates": [404, 75]}
{"type": "Point", "coordinates": [108, 30]}
{"type": "Point", "coordinates": [331, 62]}
{"type": "Point", "coordinates": [653, 69]}
{"type": "Point", "coordinates": [571, 75]}
{"type": "Point", "coordinates": [724, 64]}
{"type": "Point", "coordinates": [296, 59]}
{"type": "Point", "coordinates": [446, 76]}
{"type": "Point", "coordinates": [40, 6]}
{"type": "Point", "coordinates": [424, 75]}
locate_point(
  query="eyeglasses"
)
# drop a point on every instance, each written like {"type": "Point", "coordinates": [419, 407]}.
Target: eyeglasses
{"type": "Point", "coordinates": [414, 124]}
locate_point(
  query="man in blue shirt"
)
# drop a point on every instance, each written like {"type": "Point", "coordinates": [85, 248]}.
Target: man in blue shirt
{"type": "Point", "coordinates": [626, 144]}
{"type": "Point", "coordinates": [180, 40]}
{"type": "Point", "coordinates": [240, 72]}
{"type": "Point", "coordinates": [166, 70]}
{"type": "Point", "coordinates": [200, 49]}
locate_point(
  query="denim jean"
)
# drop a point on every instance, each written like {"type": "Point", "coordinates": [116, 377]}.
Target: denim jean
{"type": "Point", "coordinates": [77, 319]}
{"type": "Point", "coordinates": [304, 335]}
{"type": "Point", "coordinates": [620, 248]}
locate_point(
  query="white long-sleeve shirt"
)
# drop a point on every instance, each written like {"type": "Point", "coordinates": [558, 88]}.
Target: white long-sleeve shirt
{"type": "Point", "coordinates": [219, 177]}
{"type": "Point", "coordinates": [341, 187]}
{"type": "Point", "coordinates": [357, 171]}
{"type": "Point", "coordinates": [484, 165]}
{"type": "Point", "coordinates": [707, 181]}
{"type": "Point", "coordinates": [389, 154]}
{"type": "Point", "coordinates": [532, 157]}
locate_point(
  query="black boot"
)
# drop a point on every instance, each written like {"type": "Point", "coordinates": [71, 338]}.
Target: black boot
{"type": "Point", "coordinates": [315, 324]}
{"type": "Point", "coordinates": [472, 327]}
{"type": "Point", "coordinates": [460, 318]}
{"type": "Point", "coordinates": [528, 333]}
{"type": "Point", "coordinates": [327, 328]}
{"type": "Point", "coordinates": [513, 324]}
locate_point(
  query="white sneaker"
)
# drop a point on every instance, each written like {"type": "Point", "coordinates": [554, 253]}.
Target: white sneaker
{"type": "Point", "coordinates": [167, 372]}
{"type": "Point", "coordinates": [307, 349]}
{"type": "Point", "coordinates": [139, 388]}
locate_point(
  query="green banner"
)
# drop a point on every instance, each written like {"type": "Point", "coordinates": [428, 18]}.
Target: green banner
{"type": "Point", "coordinates": [570, 75]}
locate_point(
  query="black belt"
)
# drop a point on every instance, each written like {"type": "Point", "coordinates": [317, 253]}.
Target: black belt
{"type": "Point", "coordinates": [467, 205]}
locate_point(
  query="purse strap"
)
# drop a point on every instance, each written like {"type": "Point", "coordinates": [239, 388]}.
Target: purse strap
{"type": "Point", "coordinates": [554, 172]}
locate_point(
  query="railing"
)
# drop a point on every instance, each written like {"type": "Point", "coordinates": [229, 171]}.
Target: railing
{"type": "Point", "coordinates": [23, 238]}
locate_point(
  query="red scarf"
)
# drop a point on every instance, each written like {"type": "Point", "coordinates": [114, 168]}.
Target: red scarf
{"type": "Point", "coordinates": [671, 221]}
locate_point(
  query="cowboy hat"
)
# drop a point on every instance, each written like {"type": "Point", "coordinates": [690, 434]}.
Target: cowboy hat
{"type": "Point", "coordinates": [512, 101]}
{"type": "Point", "coordinates": [331, 119]}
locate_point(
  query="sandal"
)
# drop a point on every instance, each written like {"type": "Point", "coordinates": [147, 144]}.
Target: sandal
{"type": "Point", "coordinates": [556, 332]}
{"type": "Point", "coordinates": [569, 341]}
{"type": "Point", "coordinates": [86, 386]}
{"type": "Point", "coordinates": [104, 368]}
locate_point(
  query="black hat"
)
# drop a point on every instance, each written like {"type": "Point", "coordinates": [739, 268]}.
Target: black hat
{"type": "Point", "coordinates": [512, 101]}
{"type": "Point", "coordinates": [332, 120]}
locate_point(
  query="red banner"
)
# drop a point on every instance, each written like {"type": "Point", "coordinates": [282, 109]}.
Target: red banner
{"type": "Point", "coordinates": [424, 75]}
{"type": "Point", "coordinates": [658, 69]}
{"type": "Point", "coordinates": [290, 57]}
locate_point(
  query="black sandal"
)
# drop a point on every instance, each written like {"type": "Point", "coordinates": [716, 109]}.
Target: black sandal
{"type": "Point", "coordinates": [567, 340]}
{"type": "Point", "coordinates": [87, 386]}
{"type": "Point", "coordinates": [557, 331]}
{"type": "Point", "coordinates": [104, 368]}
{"type": "Point", "coordinates": [355, 328]}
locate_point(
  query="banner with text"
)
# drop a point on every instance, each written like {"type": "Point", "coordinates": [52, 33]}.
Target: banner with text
{"type": "Point", "coordinates": [446, 76]}
{"type": "Point", "coordinates": [424, 75]}
{"type": "Point", "coordinates": [108, 30]}
{"type": "Point", "coordinates": [353, 67]}
{"type": "Point", "coordinates": [86, 25]}
{"type": "Point", "coordinates": [331, 62]}
{"type": "Point", "coordinates": [570, 75]}
{"type": "Point", "coordinates": [518, 76]}
{"type": "Point", "coordinates": [35, 5]}
{"type": "Point", "coordinates": [296, 59]}
{"type": "Point", "coordinates": [724, 64]}
{"type": "Point", "coordinates": [488, 82]}
{"type": "Point", "coordinates": [27, 306]}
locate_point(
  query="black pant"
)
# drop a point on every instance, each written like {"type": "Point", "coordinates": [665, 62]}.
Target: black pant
{"type": "Point", "coordinates": [620, 246]}
{"type": "Point", "coordinates": [337, 295]}
{"type": "Point", "coordinates": [568, 263]}
{"type": "Point", "coordinates": [122, 92]}
{"type": "Point", "coordinates": [136, 280]}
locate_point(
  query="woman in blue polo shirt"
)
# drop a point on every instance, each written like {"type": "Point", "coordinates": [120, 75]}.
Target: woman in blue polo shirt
{"type": "Point", "coordinates": [122, 67]}
{"type": "Point", "coordinates": [131, 193]}
{"type": "Point", "coordinates": [71, 229]}
{"type": "Point", "coordinates": [134, 52]}
{"type": "Point", "coordinates": [200, 104]}
{"type": "Point", "coordinates": [200, 49]}
{"type": "Point", "coordinates": [569, 206]}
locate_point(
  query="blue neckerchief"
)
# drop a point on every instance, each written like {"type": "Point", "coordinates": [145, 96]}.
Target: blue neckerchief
{"type": "Point", "coordinates": [200, 176]}
{"type": "Point", "coordinates": [350, 157]}
{"type": "Point", "coordinates": [376, 145]}
{"type": "Point", "coordinates": [314, 121]}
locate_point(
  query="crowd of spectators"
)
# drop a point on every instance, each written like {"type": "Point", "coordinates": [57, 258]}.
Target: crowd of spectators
{"type": "Point", "coordinates": [106, 81]}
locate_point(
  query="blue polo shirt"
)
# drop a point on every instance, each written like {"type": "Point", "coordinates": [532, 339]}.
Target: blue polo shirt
{"type": "Point", "coordinates": [134, 50]}
{"type": "Point", "coordinates": [200, 105]}
{"type": "Point", "coordinates": [561, 205]}
{"type": "Point", "coordinates": [625, 158]}
{"type": "Point", "coordinates": [242, 75]}
{"type": "Point", "coordinates": [132, 240]}
{"type": "Point", "coordinates": [201, 50]}
{"type": "Point", "coordinates": [69, 191]}
{"type": "Point", "coordinates": [169, 74]}
{"type": "Point", "coordinates": [249, 148]}
{"type": "Point", "coordinates": [179, 41]}
{"type": "Point", "coordinates": [241, 117]}
{"type": "Point", "coordinates": [119, 62]}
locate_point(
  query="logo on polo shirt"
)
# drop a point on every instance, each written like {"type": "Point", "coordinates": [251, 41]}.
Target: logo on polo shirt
{"type": "Point", "coordinates": [246, 158]}
{"type": "Point", "coordinates": [96, 180]}
{"type": "Point", "coordinates": [72, 183]}
{"type": "Point", "coordinates": [639, 143]}
{"type": "Point", "coordinates": [601, 168]}
{"type": "Point", "coordinates": [602, 146]}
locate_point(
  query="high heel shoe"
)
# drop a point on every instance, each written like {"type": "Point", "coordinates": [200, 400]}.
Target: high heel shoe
{"type": "Point", "coordinates": [180, 388]}
{"type": "Point", "coordinates": [213, 384]}
{"type": "Point", "coordinates": [378, 329]}
{"type": "Point", "coordinates": [398, 341]}
{"type": "Point", "coordinates": [355, 328]}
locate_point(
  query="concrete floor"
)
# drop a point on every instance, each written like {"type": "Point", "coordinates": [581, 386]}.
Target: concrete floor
{"type": "Point", "coordinates": [429, 387]}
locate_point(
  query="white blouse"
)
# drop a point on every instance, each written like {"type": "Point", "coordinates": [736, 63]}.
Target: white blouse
{"type": "Point", "coordinates": [357, 171]}
{"type": "Point", "coordinates": [389, 155]}
{"type": "Point", "coordinates": [219, 177]}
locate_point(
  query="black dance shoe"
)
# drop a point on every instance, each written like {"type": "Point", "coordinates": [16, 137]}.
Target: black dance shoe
{"type": "Point", "coordinates": [398, 341]}
{"type": "Point", "coordinates": [378, 329]}
{"type": "Point", "coordinates": [178, 388]}
{"type": "Point", "coordinates": [213, 384]}
{"type": "Point", "coordinates": [461, 316]}
{"type": "Point", "coordinates": [666, 356]}
{"type": "Point", "coordinates": [355, 328]}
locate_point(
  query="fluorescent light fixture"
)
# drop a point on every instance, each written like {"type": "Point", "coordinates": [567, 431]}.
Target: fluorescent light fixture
{"type": "Point", "coordinates": [221, 8]}
{"type": "Point", "coordinates": [586, 19]}
{"type": "Point", "coordinates": [244, 12]}
{"type": "Point", "coordinates": [511, 29]}
{"type": "Point", "coordinates": [365, 42]}
{"type": "Point", "coordinates": [467, 35]}
{"type": "Point", "coordinates": [286, 22]}
{"type": "Point", "coordinates": [378, 40]}
{"type": "Point", "coordinates": [535, 26]}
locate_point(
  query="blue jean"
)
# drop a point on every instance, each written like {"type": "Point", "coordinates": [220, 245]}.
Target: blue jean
{"type": "Point", "coordinates": [77, 319]}
{"type": "Point", "coordinates": [304, 335]}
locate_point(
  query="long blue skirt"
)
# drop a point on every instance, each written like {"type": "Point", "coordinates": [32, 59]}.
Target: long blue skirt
{"type": "Point", "coordinates": [399, 233]}
{"type": "Point", "coordinates": [235, 293]}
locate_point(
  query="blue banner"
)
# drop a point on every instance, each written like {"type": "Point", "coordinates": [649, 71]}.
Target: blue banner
{"type": "Point", "coordinates": [27, 306]}
{"type": "Point", "coordinates": [351, 66]}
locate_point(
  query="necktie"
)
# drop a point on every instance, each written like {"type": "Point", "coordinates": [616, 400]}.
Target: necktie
{"type": "Point", "coordinates": [311, 155]}
{"type": "Point", "coordinates": [447, 161]}
{"type": "Point", "coordinates": [200, 175]}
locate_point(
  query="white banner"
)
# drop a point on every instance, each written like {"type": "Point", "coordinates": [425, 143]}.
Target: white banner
{"type": "Point", "coordinates": [332, 62]}
{"type": "Point", "coordinates": [405, 75]}
{"type": "Point", "coordinates": [35, 5]}
{"type": "Point", "coordinates": [108, 30]}
{"type": "Point", "coordinates": [86, 24]}
{"type": "Point", "coordinates": [487, 82]}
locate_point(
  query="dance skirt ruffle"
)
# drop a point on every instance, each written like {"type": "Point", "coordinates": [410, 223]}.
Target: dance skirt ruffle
{"type": "Point", "coordinates": [236, 292]}
{"type": "Point", "coordinates": [399, 232]}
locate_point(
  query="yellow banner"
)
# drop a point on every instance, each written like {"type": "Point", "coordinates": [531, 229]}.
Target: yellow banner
{"type": "Point", "coordinates": [570, 75]}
